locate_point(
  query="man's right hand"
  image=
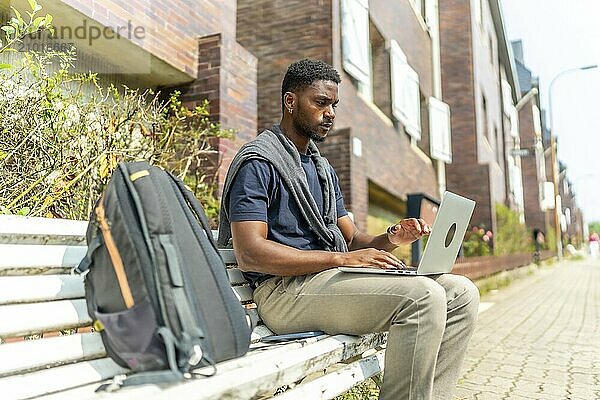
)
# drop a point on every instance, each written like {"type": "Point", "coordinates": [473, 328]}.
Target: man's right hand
{"type": "Point", "coordinates": [370, 258]}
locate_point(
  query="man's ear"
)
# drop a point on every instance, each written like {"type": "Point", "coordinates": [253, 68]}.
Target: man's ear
{"type": "Point", "coordinates": [289, 101]}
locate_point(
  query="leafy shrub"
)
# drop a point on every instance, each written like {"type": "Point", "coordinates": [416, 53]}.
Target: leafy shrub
{"type": "Point", "coordinates": [18, 27]}
{"type": "Point", "coordinates": [512, 236]}
{"type": "Point", "coordinates": [477, 242]}
{"type": "Point", "coordinates": [62, 135]}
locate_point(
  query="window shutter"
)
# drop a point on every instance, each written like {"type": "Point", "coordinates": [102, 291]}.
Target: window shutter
{"type": "Point", "coordinates": [440, 135]}
{"type": "Point", "coordinates": [406, 95]}
{"type": "Point", "coordinates": [516, 183]}
{"type": "Point", "coordinates": [537, 121]}
{"type": "Point", "coordinates": [514, 122]}
{"type": "Point", "coordinates": [431, 15]}
{"type": "Point", "coordinates": [355, 39]}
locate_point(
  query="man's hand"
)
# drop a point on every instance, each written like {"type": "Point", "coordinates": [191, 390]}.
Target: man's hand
{"type": "Point", "coordinates": [407, 231]}
{"type": "Point", "coordinates": [370, 258]}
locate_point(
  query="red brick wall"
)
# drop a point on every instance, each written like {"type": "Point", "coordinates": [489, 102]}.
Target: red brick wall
{"type": "Point", "coordinates": [279, 33]}
{"type": "Point", "coordinates": [400, 22]}
{"type": "Point", "coordinates": [171, 28]}
{"type": "Point", "coordinates": [476, 171]}
{"type": "Point", "coordinates": [338, 148]}
{"type": "Point", "coordinates": [227, 78]}
{"type": "Point", "coordinates": [534, 216]}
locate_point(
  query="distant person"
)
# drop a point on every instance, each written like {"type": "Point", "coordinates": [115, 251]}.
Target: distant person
{"type": "Point", "coordinates": [594, 245]}
{"type": "Point", "coordinates": [283, 206]}
{"type": "Point", "coordinates": [538, 243]}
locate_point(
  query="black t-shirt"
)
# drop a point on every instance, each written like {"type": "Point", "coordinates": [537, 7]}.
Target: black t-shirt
{"type": "Point", "coordinates": [259, 194]}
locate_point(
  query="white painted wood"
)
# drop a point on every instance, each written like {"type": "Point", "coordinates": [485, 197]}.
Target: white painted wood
{"type": "Point", "coordinates": [35, 230]}
{"type": "Point", "coordinates": [22, 259]}
{"type": "Point", "coordinates": [30, 289]}
{"type": "Point", "coordinates": [228, 256]}
{"type": "Point", "coordinates": [26, 319]}
{"type": "Point", "coordinates": [29, 355]}
{"type": "Point", "coordinates": [243, 293]}
{"type": "Point", "coordinates": [59, 378]}
{"type": "Point", "coordinates": [255, 377]}
{"type": "Point", "coordinates": [337, 382]}
{"type": "Point", "coordinates": [260, 332]}
{"type": "Point", "coordinates": [259, 372]}
{"type": "Point", "coordinates": [235, 277]}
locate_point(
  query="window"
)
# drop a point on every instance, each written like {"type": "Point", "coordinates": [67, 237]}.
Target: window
{"type": "Point", "coordinates": [355, 43]}
{"type": "Point", "coordinates": [498, 143]}
{"type": "Point", "coordinates": [406, 95]}
{"type": "Point", "coordinates": [380, 64]}
{"type": "Point", "coordinates": [509, 109]}
{"type": "Point", "coordinates": [439, 130]}
{"type": "Point", "coordinates": [484, 117]}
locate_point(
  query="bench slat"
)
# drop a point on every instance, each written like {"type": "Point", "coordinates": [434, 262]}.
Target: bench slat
{"type": "Point", "coordinates": [258, 373]}
{"type": "Point", "coordinates": [29, 289]}
{"type": "Point", "coordinates": [31, 355]}
{"type": "Point", "coordinates": [337, 382]}
{"type": "Point", "coordinates": [59, 378]}
{"type": "Point", "coordinates": [235, 276]}
{"type": "Point", "coordinates": [228, 256]}
{"type": "Point", "coordinates": [25, 259]}
{"type": "Point", "coordinates": [255, 377]}
{"type": "Point", "coordinates": [35, 230]}
{"type": "Point", "coordinates": [243, 293]}
{"type": "Point", "coordinates": [26, 319]}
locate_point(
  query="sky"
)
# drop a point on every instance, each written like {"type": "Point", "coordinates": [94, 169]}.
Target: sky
{"type": "Point", "coordinates": [558, 35]}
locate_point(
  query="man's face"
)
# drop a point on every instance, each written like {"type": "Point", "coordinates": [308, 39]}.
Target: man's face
{"type": "Point", "coordinates": [315, 109]}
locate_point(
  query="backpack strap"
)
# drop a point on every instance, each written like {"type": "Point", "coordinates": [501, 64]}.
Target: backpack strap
{"type": "Point", "coordinates": [151, 377]}
{"type": "Point", "coordinates": [85, 264]}
{"type": "Point", "coordinates": [193, 202]}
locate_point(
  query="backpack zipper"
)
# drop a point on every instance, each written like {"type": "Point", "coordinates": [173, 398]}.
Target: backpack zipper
{"type": "Point", "coordinates": [115, 257]}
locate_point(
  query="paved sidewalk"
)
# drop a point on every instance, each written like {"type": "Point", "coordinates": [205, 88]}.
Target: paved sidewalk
{"type": "Point", "coordinates": [539, 338]}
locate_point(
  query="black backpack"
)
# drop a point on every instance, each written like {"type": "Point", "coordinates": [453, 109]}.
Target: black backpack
{"type": "Point", "coordinates": [155, 284]}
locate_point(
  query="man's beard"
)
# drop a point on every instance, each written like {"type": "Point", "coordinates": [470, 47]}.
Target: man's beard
{"type": "Point", "coordinates": [307, 131]}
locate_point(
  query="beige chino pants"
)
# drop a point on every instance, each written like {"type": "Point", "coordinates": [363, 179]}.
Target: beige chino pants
{"type": "Point", "coordinates": [430, 321]}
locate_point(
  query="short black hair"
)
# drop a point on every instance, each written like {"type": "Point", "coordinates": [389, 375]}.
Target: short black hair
{"type": "Point", "coordinates": [304, 73]}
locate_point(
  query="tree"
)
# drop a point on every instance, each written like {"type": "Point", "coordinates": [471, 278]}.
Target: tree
{"type": "Point", "coordinates": [594, 227]}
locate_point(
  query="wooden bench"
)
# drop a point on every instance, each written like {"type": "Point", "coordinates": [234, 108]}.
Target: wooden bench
{"type": "Point", "coordinates": [49, 350]}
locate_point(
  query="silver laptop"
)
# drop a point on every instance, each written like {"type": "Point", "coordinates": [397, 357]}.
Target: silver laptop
{"type": "Point", "coordinates": [448, 231]}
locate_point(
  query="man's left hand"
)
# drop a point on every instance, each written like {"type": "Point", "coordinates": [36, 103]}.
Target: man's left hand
{"type": "Point", "coordinates": [408, 230]}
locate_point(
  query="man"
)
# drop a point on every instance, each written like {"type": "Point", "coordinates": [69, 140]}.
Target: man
{"type": "Point", "coordinates": [283, 208]}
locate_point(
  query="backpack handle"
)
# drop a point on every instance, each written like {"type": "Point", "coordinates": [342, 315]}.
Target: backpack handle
{"type": "Point", "coordinates": [194, 204]}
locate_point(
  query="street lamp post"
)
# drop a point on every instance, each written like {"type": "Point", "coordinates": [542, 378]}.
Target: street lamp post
{"type": "Point", "coordinates": [554, 157]}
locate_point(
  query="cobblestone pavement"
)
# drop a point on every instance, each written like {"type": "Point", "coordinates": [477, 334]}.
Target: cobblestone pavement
{"type": "Point", "coordinates": [539, 338]}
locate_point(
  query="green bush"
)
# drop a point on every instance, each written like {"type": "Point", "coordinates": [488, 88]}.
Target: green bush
{"type": "Point", "coordinates": [511, 236]}
{"type": "Point", "coordinates": [62, 135]}
{"type": "Point", "coordinates": [18, 27]}
{"type": "Point", "coordinates": [477, 242]}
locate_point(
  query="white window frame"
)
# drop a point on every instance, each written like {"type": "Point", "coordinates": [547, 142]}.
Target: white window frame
{"type": "Point", "coordinates": [432, 16]}
{"type": "Point", "coordinates": [406, 94]}
{"type": "Point", "coordinates": [537, 120]}
{"type": "Point", "coordinates": [440, 130]}
{"type": "Point", "coordinates": [356, 49]}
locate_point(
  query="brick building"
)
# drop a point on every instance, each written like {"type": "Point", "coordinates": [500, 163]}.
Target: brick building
{"type": "Point", "coordinates": [391, 129]}
{"type": "Point", "coordinates": [531, 140]}
{"type": "Point", "coordinates": [479, 83]}
{"type": "Point", "coordinates": [175, 44]}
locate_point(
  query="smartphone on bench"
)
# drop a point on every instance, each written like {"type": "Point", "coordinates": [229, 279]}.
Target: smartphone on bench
{"type": "Point", "coordinates": [291, 336]}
